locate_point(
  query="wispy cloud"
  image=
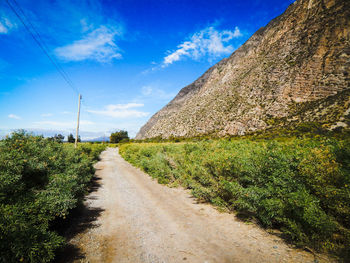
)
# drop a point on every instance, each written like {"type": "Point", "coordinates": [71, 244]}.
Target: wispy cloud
{"type": "Point", "coordinates": [6, 25]}
{"type": "Point", "coordinates": [154, 92]}
{"type": "Point", "coordinates": [87, 122]}
{"type": "Point", "coordinates": [54, 123]}
{"type": "Point", "coordinates": [121, 111]}
{"type": "Point", "coordinates": [13, 116]}
{"type": "Point", "coordinates": [85, 26]}
{"type": "Point", "coordinates": [46, 115]}
{"type": "Point", "coordinates": [97, 45]}
{"type": "Point", "coordinates": [209, 42]}
{"type": "Point", "coordinates": [61, 124]}
{"type": "Point", "coordinates": [3, 29]}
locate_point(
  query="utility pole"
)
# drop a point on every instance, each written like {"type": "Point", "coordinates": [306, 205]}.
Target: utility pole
{"type": "Point", "coordinates": [77, 132]}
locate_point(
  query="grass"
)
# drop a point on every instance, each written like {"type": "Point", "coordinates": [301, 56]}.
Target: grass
{"type": "Point", "coordinates": [298, 185]}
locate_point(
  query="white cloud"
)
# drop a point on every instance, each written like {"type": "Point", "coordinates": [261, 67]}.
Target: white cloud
{"type": "Point", "coordinates": [13, 116]}
{"type": "Point", "coordinates": [54, 123]}
{"type": "Point", "coordinates": [62, 125]}
{"type": "Point", "coordinates": [97, 45]}
{"type": "Point", "coordinates": [150, 91]}
{"type": "Point", "coordinates": [87, 123]}
{"type": "Point", "coordinates": [124, 106]}
{"type": "Point", "coordinates": [46, 115]}
{"type": "Point", "coordinates": [6, 25]}
{"type": "Point", "coordinates": [85, 26]}
{"type": "Point", "coordinates": [237, 32]}
{"type": "Point", "coordinates": [147, 90]}
{"type": "Point", "coordinates": [121, 111]}
{"type": "Point", "coordinates": [207, 42]}
{"type": "Point", "coordinates": [3, 29]}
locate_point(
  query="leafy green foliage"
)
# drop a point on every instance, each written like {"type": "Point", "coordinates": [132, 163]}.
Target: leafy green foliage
{"type": "Point", "coordinates": [71, 138]}
{"type": "Point", "coordinates": [119, 136]}
{"type": "Point", "coordinates": [299, 185]}
{"type": "Point", "coordinates": [57, 138]}
{"type": "Point", "coordinates": [92, 150]}
{"type": "Point", "coordinates": [40, 180]}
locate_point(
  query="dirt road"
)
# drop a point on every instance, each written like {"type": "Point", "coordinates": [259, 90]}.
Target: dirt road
{"type": "Point", "coordinates": [143, 221]}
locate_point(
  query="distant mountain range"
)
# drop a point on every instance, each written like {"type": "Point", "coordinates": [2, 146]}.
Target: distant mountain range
{"type": "Point", "coordinates": [98, 139]}
{"type": "Point", "coordinates": [294, 70]}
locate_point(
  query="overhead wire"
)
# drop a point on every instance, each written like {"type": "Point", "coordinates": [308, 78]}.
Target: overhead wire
{"type": "Point", "coordinates": [39, 40]}
{"type": "Point", "coordinates": [44, 45]}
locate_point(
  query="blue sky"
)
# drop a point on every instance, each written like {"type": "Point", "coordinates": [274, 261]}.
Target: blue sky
{"type": "Point", "coordinates": [128, 58]}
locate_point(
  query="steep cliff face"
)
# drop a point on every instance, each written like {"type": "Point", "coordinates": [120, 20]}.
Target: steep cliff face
{"type": "Point", "coordinates": [295, 69]}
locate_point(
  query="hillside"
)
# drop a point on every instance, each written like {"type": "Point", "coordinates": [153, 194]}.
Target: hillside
{"type": "Point", "coordinates": [293, 70]}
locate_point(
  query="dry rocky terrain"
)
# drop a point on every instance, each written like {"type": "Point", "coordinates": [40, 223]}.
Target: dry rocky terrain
{"type": "Point", "coordinates": [296, 69]}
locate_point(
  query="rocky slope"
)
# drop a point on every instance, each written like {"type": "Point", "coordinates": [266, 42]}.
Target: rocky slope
{"type": "Point", "coordinates": [295, 69]}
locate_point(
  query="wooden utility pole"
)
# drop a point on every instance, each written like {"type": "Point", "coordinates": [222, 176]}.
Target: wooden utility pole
{"type": "Point", "coordinates": [77, 132]}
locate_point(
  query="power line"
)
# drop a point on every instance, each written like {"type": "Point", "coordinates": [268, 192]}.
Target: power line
{"type": "Point", "coordinates": [37, 39]}
{"type": "Point", "coordinates": [44, 45]}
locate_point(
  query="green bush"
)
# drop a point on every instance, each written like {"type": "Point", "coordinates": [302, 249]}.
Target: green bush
{"type": "Point", "coordinates": [40, 180]}
{"type": "Point", "coordinates": [119, 137]}
{"type": "Point", "coordinates": [92, 150]}
{"type": "Point", "coordinates": [299, 185]}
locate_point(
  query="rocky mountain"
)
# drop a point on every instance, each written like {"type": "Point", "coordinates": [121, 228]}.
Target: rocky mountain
{"type": "Point", "coordinates": [295, 69]}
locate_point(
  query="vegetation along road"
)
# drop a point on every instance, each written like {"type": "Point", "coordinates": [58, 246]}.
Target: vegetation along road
{"type": "Point", "coordinates": [143, 221]}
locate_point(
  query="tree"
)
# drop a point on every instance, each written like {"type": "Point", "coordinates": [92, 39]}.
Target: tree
{"type": "Point", "coordinates": [57, 138]}
{"type": "Point", "coordinates": [119, 136]}
{"type": "Point", "coordinates": [71, 138]}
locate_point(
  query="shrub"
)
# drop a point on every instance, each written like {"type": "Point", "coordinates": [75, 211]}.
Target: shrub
{"type": "Point", "coordinates": [299, 185]}
{"type": "Point", "coordinates": [40, 180]}
{"type": "Point", "coordinates": [119, 136]}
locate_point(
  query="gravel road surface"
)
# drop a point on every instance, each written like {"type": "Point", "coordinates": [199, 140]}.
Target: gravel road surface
{"type": "Point", "coordinates": [143, 221]}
